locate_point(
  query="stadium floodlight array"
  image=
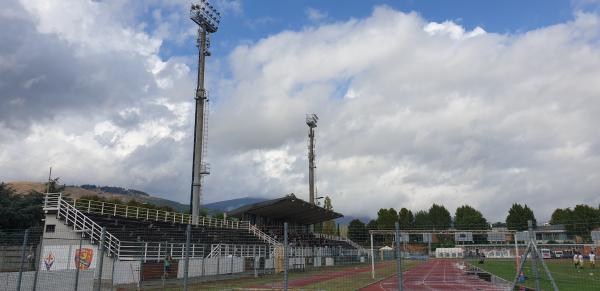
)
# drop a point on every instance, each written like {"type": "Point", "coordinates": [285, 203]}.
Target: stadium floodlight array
{"type": "Point", "coordinates": [205, 15]}
{"type": "Point", "coordinates": [311, 120]}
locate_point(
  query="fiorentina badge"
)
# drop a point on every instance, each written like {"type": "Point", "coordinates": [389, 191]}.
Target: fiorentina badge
{"type": "Point", "coordinates": [49, 261]}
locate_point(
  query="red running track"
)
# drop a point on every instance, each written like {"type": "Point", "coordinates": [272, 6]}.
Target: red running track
{"type": "Point", "coordinates": [442, 274]}
{"type": "Point", "coordinates": [324, 276]}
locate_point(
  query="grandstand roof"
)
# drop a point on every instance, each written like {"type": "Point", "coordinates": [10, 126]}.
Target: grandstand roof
{"type": "Point", "coordinates": [288, 208]}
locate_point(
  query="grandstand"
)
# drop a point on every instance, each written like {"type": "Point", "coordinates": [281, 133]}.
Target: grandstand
{"type": "Point", "coordinates": [140, 239]}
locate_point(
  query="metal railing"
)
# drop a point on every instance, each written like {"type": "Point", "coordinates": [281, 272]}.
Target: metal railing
{"type": "Point", "coordinates": [127, 211]}
{"type": "Point", "coordinates": [80, 222]}
{"type": "Point", "coordinates": [258, 233]}
{"type": "Point", "coordinates": [73, 214]}
{"type": "Point", "coordinates": [342, 239]}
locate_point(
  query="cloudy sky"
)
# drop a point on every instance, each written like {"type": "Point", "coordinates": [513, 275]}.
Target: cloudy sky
{"type": "Point", "coordinates": [418, 103]}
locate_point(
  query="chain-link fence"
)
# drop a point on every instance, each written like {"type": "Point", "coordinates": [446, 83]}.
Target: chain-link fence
{"type": "Point", "coordinates": [155, 255]}
{"type": "Point", "coordinates": [101, 246]}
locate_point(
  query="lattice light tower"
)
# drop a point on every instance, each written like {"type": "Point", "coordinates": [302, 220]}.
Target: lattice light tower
{"type": "Point", "coordinates": [207, 18]}
{"type": "Point", "coordinates": [311, 121]}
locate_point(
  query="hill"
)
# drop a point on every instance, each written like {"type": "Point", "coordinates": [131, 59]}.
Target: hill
{"type": "Point", "coordinates": [124, 194]}
{"type": "Point", "coordinates": [227, 205]}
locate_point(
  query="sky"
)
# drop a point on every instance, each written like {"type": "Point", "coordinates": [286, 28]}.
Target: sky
{"type": "Point", "coordinates": [485, 103]}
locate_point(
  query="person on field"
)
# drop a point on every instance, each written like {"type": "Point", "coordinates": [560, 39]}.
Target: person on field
{"type": "Point", "coordinates": [581, 261]}
{"type": "Point", "coordinates": [576, 260]}
{"type": "Point", "coordinates": [593, 260]}
{"type": "Point", "coordinates": [166, 266]}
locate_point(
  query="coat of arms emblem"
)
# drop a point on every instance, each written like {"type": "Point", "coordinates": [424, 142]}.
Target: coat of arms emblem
{"type": "Point", "coordinates": [83, 258]}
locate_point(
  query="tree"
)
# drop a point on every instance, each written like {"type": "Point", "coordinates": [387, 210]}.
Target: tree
{"type": "Point", "coordinates": [499, 224]}
{"type": "Point", "coordinates": [584, 219]}
{"type": "Point", "coordinates": [467, 217]}
{"type": "Point", "coordinates": [387, 218]}
{"type": "Point", "coordinates": [53, 186]}
{"type": "Point", "coordinates": [20, 211]}
{"type": "Point", "coordinates": [422, 220]}
{"type": "Point", "coordinates": [372, 225]}
{"type": "Point", "coordinates": [580, 221]}
{"type": "Point", "coordinates": [440, 217]}
{"type": "Point", "coordinates": [561, 216]}
{"type": "Point", "coordinates": [406, 219]}
{"type": "Point", "coordinates": [328, 226]}
{"type": "Point", "coordinates": [357, 231]}
{"type": "Point", "coordinates": [518, 216]}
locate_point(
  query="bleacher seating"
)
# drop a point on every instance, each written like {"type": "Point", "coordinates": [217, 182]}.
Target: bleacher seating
{"type": "Point", "coordinates": [301, 238]}
{"type": "Point", "coordinates": [138, 230]}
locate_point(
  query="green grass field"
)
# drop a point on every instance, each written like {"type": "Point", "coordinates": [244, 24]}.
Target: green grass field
{"type": "Point", "coordinates": [350, 282]}
{"type": "Point", "coordinates": [564, 273]}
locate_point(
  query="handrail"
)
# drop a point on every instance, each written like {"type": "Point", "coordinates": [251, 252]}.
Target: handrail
{"type": "Point", "coordinates": [215, 251]}
{"type": "Point", "coordinates": [339, 238]}
{"type": "Point", "coordinates": [260, 234]}
{"type": "Point", "coordinates": [135, 250]}
{"type": "Point", "coordinates": [123, 210]}
{"type": "Point", "coordinates": [55, 201]}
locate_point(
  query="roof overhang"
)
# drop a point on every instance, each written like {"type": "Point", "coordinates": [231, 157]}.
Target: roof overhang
{"type": "Point", "coordinates": [288, 208]}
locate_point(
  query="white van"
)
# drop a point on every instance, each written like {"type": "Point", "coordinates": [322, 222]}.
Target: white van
{"type": "Point", "coordinates": [546, 254]}
{"type": "Point", "coordinates": [558, 254]}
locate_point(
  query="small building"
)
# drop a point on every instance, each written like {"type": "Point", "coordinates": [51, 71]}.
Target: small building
{"type": "Point", "coordinates": [449, 253]}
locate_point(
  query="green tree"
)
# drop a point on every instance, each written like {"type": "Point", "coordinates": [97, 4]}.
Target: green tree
{"type": "Point", "coordinates": [499, 224]}
{"type": "Point", "coordinates": [357, 231]}
{"type": "Point", "coordinates": [387, 218]}
{"type": "Point", "coordinates": [20, 211]}
{"type": "Point", "coordinates": [372, 225]}
{"type": "Point", "coordinates": [518, 216]}
{"type": "Point", "coordinates": [467, 217]}
{"type": "Point", "coordinates": [406, 220]}
{"type": "Point", "coordinates": [440, 217]}
{"type": "Point", "coordinates": [561, 216]}
{"type": "Point", "coordinates": [584, 219]}
{"type": "Point", "coordinates": [422, 220]}
{"type": "Point", "coordinates": [53, 186]}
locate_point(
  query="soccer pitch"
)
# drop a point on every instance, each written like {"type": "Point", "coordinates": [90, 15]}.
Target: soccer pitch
{"type": "Point", "coordinates": [564, 273]}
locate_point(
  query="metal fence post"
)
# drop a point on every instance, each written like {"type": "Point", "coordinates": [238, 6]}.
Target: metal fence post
{"type": "Point", "coordinates": [534, 256]}
{"type": "Point", "coordinates": [38, 262]}
{"type": "Point", "coordinates": [101, 258]}
{"type": "Point", "coordinates": [398, 258]}
{"type": "Point", "coordinates": [23, 247]}
{"type": "Point", "coordinates": [372, 258]}
{"type": "Point", "coordinates": [186, 266]}
{"type": "Point", "coordinates": [285, 256]}
{"type": "Point", "coordinates": [78, 262]}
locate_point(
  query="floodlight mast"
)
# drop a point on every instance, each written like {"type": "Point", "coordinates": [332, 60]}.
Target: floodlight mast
{"type": "Point", "coordinates": [311, 121]}
{"type": "Point", "coordinates": [207, 18]}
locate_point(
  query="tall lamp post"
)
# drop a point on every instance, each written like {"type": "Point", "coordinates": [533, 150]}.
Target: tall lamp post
{"type": "Point", "coordinates": [207, 18]}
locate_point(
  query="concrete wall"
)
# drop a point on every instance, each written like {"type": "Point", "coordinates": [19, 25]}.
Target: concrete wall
{"type": "Point", "coordinates": [62, 280]}
{"type": "Point", "coordinates": [212, 266]}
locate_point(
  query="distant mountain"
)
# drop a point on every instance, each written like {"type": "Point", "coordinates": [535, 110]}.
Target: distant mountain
{"type": "Point", "coordinates": [346, 219]}
{"type": "Point", "coordinates": [228, 205]}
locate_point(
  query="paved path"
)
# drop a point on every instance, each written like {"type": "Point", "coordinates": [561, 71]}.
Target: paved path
{"type": "Point", "coordinates": [443, 274]}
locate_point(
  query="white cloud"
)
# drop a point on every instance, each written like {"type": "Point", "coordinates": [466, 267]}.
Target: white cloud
{"type": "Point", "coordinates": [411, 112]}
{"type": "Point", "coordinates": [315, 15]}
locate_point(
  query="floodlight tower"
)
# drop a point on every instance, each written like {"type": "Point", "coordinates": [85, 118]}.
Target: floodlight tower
{"type": "Point", "coordinates": [207, 18]}
{"type": "Point", "coordinates": [311, 121]}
